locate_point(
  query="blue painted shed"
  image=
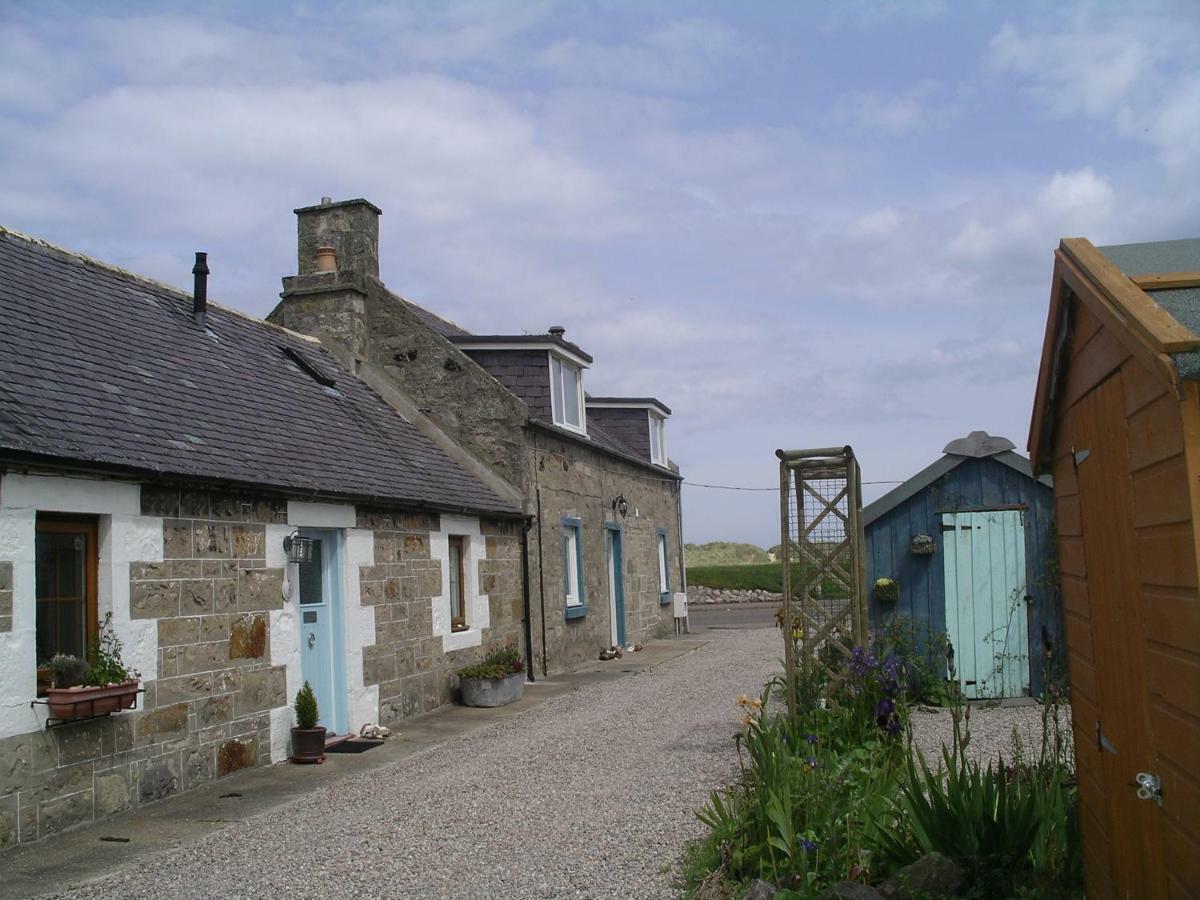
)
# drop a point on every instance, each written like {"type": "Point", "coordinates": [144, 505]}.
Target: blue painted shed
{"type": "Point", "coordinates": [969, 541]}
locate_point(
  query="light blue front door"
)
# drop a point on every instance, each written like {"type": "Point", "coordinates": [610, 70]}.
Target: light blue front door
{"type": "Point", "coordinates": [985, 601]}
{"type": "Point", "coordinates": [320, 604]}
{"type": "Point", "coordinates": [616, 589]}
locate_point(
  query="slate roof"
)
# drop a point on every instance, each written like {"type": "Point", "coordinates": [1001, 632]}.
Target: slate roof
{"type": "Point", "coordinates": [464, 340]}
{"type": "Point", "coordinates": [1183, 304]}
{"type": "Point", "coordinates": [101, 367]}
{"type": "Point", "coordinates": [977, 445]}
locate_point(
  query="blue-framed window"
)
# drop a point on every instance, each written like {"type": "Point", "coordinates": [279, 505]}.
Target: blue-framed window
{"type": "Point", "coordinates": [574, 598]}
{"type": "Point", "coordinates": [664, 571]}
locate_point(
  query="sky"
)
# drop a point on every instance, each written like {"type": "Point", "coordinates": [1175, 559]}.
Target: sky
{"type": "Point", "coordinates": [797, 224]}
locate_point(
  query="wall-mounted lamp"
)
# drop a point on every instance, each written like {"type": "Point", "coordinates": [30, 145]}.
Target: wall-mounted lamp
{"type": "Point", "coordinates": [620, 505]}
{"type": "Point", "coordinates": [298, 549]}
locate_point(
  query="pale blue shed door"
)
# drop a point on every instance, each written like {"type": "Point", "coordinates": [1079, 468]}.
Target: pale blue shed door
{"type": "Point", "coordinates": [321, 662]}
{"type": "Point", "coordinates": [985, 601]}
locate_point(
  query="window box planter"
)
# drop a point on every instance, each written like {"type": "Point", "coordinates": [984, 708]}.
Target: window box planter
{"type": "Point", "coordinates": [489, 692]}
{"type": "Point", "coordinates": [89, 701]}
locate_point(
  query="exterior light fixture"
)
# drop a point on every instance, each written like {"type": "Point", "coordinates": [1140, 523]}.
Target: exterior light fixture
{"type": "Point", "coordinates": [620, 505]}
{"type": "Point", "coordinates": [298, 549]}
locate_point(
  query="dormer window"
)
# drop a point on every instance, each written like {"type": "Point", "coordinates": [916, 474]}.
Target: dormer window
{"type": "Point", "coordinates": [658, 440]}
{"type": "Point", "coordinates": [566, 394]}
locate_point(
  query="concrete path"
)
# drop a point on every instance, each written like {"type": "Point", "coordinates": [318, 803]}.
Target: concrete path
{"type": "Point", "coordinates": [587, 787]}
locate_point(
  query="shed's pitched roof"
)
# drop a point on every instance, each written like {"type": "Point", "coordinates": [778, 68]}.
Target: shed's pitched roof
{"type": "Point", "coordinates": [101, 367]}
{"type": "Point", "coordinates": [1147, 295]}
{"type": "Point", "coordinates": [974, 446]}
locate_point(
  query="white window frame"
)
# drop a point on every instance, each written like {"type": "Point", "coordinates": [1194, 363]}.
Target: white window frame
{"type": "Point", "coordinates": [557, 392]}
{"type": "Point", "coordinates": [573, 564]}
{"type": "Point", "coordinates": [658, 429]}
{"type": "Point", "coordinates": [664, 578]}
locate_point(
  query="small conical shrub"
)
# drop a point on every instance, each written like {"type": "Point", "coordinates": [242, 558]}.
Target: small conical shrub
{"type": "Point", "coordinates": [306, 707]}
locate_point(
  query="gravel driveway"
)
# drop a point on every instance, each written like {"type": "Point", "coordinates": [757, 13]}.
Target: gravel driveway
{"type": "Point", "coordinates": [591, 794]}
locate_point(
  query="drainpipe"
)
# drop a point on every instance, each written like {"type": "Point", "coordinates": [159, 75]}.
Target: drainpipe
{"type": "Point", "coordinates": [525, 592]}
{"type": "Point", "coordinates": [542, 581]}
{"type": "Point", "coordinates": [687, 622]}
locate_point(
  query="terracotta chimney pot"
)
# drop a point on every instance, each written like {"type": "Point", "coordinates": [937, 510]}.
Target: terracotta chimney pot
{"type": "Point", "coordinates": [326, 259]}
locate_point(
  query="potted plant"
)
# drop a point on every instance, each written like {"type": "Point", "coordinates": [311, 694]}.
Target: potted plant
{"type": "Point", "coordinates": [887, 590]}
{"type": "Point", "coordinates": [496, 681]}
{"type": "Point", "coordinates": [308, 738]}
{"type": "Point", "coordinates": [101, 686]}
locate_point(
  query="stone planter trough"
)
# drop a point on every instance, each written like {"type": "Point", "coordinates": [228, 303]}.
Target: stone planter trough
{"type": "Point", "coordinates": [492, 691]}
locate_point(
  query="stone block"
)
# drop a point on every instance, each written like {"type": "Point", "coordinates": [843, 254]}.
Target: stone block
{"type": "Point", "coordinates": [160, 501]}
{"type": "Point", "coordinates": [55, 816]}
{"type": "Point", "coordinates": [195, 658]}
{"type": "Point", "coordinates": [260, 589]}
{"type": "Point", "coordinates": [162, 724]}
{"type": "Point", "coordinates": [194, 504]}
{"type": "Point", "coordinates": [225, 594]}
{"type": "Point", "coordinates": [379, 665]}
{"type": "Point", "coordinates": [229, 506]}
{"type": "Point", "coordinates": [5, 576]}
{"type": "Point", "coordinates": [236, 754]}
{"type": "Point", "coordinates": [172, 632]}
{"type": "Point", "coordinates": [211, 540]}
{"type": "Point", "coordinates": [189, 687]}
{"type": "Point", "coordinates": [157, 778]}
{"type": "Point", "coordinates": [249, 541]}
{"type": "Point", "coordinates": [226, 682]}
{"type": "Point", "coordinates": [214, 628]}
{"type": "Point", "coordinates": [154, 599]}
{"type": "Point", "coordinates": [177, 540]}
{"type": "Point", "coordinates": [186, 568]}
{"type": "Point", "coordinates": [5, 621]}
{"type": "Point", "coordinates": [214, 711]}
{"type": "Point", "coordinates": [429, 583]}
{"type": "Point", "coordinates": [197, 597]}
{"type": "Point", "coordinates": [248, 637]}
{"type": "Point", "coordinates": [114, 791]}
{"type": "Point", "coordinates": [416, 546]}
{"type": "Point", "coordinates": [197, 766]}
{"type": "Point", "coordinates": [10, 829]}
{"type": "Point", "coordinates": [261, 689]}
{"type": "Point", "coordinates": [80, 742]}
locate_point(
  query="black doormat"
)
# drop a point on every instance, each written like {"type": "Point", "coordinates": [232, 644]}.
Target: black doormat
{"type": "Point", "coordinates": [354, 745]}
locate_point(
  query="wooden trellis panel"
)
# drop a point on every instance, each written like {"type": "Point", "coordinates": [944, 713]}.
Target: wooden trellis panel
{"type": "Point", "coordinates": [822, 552]}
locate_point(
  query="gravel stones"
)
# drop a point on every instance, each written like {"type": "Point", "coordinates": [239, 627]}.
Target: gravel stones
{"type": "Point", "coordinates": [591, 794]}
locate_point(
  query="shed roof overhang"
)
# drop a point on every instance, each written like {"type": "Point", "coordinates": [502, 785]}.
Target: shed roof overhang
{"type": "Point", "coordinates": [1083, 274]}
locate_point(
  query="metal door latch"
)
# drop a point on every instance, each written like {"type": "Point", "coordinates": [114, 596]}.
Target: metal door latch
{"type": "Point", "coordinates": [312, 640]}
{"type": "Point", "coordinates": [1149, 787]}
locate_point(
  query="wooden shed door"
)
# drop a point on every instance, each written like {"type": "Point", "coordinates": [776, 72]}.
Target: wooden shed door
{"type": "Point", "coordinates": [985, 601]}
{"type": "Point", "coordinates": [1123, 738]}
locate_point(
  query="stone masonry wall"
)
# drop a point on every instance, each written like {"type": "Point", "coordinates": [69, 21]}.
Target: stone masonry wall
{"type": "Point", "coordinates": [407, 662]}
{"type": "Point", "coordinates": [577, 482]}
{"type": "Point", "coordinates": [206, 715]}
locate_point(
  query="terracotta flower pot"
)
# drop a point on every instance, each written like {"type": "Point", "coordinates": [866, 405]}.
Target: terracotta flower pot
{"type": "Point", "coordinates": [85, 701]}
{"type": "Point", "coordinates": [308, 745]}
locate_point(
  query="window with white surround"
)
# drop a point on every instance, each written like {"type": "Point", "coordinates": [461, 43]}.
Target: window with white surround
{"type": "Point", "coordinates": [572, 559]}
{"type": "Point", "coordinates": [566, 394]}
{"type": "Point", "coordinates": [658, 439]}
{"type": "Point", "coordinates": [664, 575]}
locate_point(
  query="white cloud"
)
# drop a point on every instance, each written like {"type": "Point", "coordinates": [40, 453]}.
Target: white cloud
{"type": "Point", "coordinates": [1136, 73]}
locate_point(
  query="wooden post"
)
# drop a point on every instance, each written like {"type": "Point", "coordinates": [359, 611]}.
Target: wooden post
{"type": "Point", "coordinates": [789, 661]}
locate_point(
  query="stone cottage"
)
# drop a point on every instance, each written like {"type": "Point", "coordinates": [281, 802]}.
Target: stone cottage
{"type": "Point", "coordinates": [155, 452]}
{"type": "Point", "coordinates": [592, 473]}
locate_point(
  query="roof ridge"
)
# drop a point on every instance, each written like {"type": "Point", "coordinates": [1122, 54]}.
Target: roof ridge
{"type": "Point", "coordinates": [144, 279]}
{"type": "Point", "coordinates": [426, 310]}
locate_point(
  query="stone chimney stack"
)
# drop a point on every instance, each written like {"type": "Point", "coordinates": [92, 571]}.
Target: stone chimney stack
{"type": "Point", "coordinates": [337, 250]}
{"type": "Point", "coordinates": [349, 227]}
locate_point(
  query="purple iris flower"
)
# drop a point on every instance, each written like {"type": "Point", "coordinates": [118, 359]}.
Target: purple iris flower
{"type": "Point", "coordinates": [809, 846]}
{"type": "Point", "coordinates": [884, 711]}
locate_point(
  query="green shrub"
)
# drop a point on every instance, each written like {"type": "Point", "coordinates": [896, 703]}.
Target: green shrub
{"type": "Point", "coordinates": [105, 657]}
{"type": "Point", "coordinates": [765, 577]}
{"type": "Point", "coordinates": [725, 553]}
{"type": "Point", "coordinates": [306, 707]}
{"type": "Point", "coordinates": [68, 671]}
{"type": "Point", "coordinates": [497, 664]}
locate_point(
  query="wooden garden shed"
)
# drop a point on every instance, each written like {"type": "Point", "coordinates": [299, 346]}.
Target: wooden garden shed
{"type": "Point", "coordinates": [969, 543]}
{"type": "Point", "coordinates": [1116, 419]}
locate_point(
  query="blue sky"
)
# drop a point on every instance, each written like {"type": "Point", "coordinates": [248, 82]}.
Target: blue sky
{"type": "Point", "coordinates": [797, 224]}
